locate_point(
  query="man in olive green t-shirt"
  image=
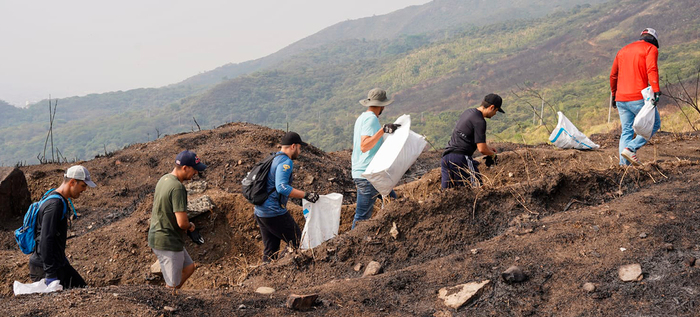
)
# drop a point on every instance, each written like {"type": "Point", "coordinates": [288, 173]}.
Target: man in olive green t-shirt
{"type": "Point", "coordinates": [169, 221]}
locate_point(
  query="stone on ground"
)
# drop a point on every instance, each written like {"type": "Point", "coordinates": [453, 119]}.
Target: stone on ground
{"type": "Point", "coordinates": [630, 272]}
{"type": "Point", "coordinates": [265, 290]}
{"type": "Point", "coordinates": [373, 268]}
{"type": "Point", "coordinates": [460, 295]}
{"type": "Point", "coordinates": [357, 267]}
{"type": "Point", "coordinates": [589, 287]}
{"type": "Point", "coordinates": [394, 231]}
{"type": "Point", "coordinates": [14, 193]}
{"type": "Point", "coordinates": [155, 268]}
{"type": "Point", "coordinates": [199, 206]}
{"type": "Point", "coordinates": [301, 302]}
{"type": "Point", "coordinates": [513, 275]}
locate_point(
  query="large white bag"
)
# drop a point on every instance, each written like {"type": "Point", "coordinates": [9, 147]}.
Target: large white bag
{"type": "Point", "coordinates": [396, 155]}
{"type": "Point", "coordinates": [644, 120]}
{"type": "Point", "coordinates": [36, 287]}
{"type": "Point", "coordinates": [322, 220]}
{"type": "Point", "coordinates": [567, 136]}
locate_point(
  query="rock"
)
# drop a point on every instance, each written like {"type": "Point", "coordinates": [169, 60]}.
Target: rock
{"type": "Point", "coordinates": [170, 309]}
{"type": "Point", "coordinates": [309, 179]}
{"type": "Point", "coordinates": [589, 287]}
{"type": "Point", "coordinates": [394, 231]}
{"type": "Point", "coordinates": [14, 193]}
{"type": "Point", "coordinates": [689, 261]}
{"type": "Point", "coordinates": [265, 290]}
{"type": "Point", "coordinates": [199, 206]}
{"type": "Point", "coordinates": [630, 272]}
{"type": "Point", "coordinates": [373, 268]}
{"type": "Point", "coordinates": [240, 162]}
{"type": "Point", "coordinates": [357, 267]}
{"type": "Point", "coordinates": [642, 235]}
{"type": "Point", "coordinates": [668, 246]}
{"type": "Point", "coordinates": [513, 275]}
{"type": "Point", "coordinates": [442, 313]}
{"type": "Point", "coordinates": [196, 187]}
{"type": "Point", "coordinates": [301, 302]}
{"type": "Point", "coordinates": [155, 268]}
{"type": "Point", "coordinates": [241, 307]}
{"type": "Point", "coordinates": [460, 295]}
{"type": "Point", "coordinates": [474, 251]}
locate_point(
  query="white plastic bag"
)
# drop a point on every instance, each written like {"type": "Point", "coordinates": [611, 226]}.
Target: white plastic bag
{"type": "Point", "coordinates": [644, 120]}
{"type": "Point", "coordinates": [396, 155]}
{"type": "Point", "coordinates": [36, 287]}
{"type": "Point", "coordinates": [567, 136]}
{"type": "Point", "coordinates": [322, 220]}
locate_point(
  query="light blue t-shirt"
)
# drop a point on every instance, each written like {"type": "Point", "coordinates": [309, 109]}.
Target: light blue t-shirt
{"type": "Point", "coordinates": [279, 186]}
{"type": "Point", "coordinates": [366, 124]}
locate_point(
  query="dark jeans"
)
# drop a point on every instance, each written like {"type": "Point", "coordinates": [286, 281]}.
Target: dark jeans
{"type": "Point", "coordinates": [366, 196]}
{"type": "Point", "coordinates": [276, 229]}
{"type": "Point", "coordinates": [69, 277]}
{"type": "Point", "coordinates": [459, 170]}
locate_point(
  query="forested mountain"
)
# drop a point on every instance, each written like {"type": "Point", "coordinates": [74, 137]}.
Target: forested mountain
{"type": "Point", "coordinates": [433, 75]}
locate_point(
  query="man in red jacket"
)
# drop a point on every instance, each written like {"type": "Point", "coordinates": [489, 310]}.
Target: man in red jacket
{"type": "Point", "coordinates": [635, 68]}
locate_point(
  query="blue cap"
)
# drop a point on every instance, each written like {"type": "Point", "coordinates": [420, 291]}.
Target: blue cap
{"type": "Point", "coordinates": [189, 158]}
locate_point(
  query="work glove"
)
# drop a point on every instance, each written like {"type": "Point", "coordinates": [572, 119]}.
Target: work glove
{"type": "Point", "coordinates": [195, 236]}
{"type": "Point", "coordinates": [312, 197]}
{"type": "Point", "coordinates": [613, 103]}
{"type": "Point", "coordinates": [491, 160]}
{"type": "Point", "coordinates": [390, 128]}
{"type": "Point", "coordinates": [48, 280]}
{"type": "Point", "coordinates": [657, 95]}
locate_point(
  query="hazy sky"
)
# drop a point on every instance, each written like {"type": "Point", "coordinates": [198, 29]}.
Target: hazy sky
{"type": "Point", "coordinates": [68, 48]}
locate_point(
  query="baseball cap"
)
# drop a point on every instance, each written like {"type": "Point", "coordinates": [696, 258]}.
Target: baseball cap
{"type": "Point", "coordinates": [292, 138]}
{"type": "Point", "coordinates": [651, 32]}
{"type": "Point", "coordinates": [189, 158]}
{"type": "Point", "coordinates": [79, 172]}
{"type": "Point", "coordinates": [494, 99]}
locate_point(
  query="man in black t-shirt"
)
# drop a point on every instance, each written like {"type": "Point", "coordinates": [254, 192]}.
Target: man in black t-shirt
{"type": "Point", "coordinates": [469, 135]}
{"type": "Point", "coordinates": [49, 258]}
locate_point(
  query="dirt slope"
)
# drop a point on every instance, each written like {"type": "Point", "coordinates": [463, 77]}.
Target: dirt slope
{"type": "Point", "coordinates": [561, 215]}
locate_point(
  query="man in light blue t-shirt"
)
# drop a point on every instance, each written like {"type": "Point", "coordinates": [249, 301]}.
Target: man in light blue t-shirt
{"type": "Point", "coordinates": [367, 139]}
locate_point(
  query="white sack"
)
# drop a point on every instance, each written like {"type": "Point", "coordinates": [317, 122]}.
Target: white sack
{"type": "Point", "coordinates": [37, 287]}
{"type": "Point", "coordinates": [396, 155]}
{"type": "Point", "coordinates": [644, 120]}
{"type": "Point", "coordinates": [322, 220]}
{"type": "Point", "coordinates": [567, 136]}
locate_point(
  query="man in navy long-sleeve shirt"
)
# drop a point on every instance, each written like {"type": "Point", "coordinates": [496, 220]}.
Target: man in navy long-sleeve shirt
{"type": "Point", "coordinates": [49, 258]}
{"type": "Point", "coordinates": [275, 222]}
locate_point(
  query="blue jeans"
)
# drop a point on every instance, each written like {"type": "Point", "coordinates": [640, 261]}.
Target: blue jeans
{"type": "Point", "coordinates": [366, 196]}
{"type": "Point", "coordinates": [628, 111]}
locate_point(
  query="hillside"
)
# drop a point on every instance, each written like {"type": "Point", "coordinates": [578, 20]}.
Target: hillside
{"type": "Point", "coordinates": [565, 217]}
{"type": "Point", "coordinates": [87, 125]}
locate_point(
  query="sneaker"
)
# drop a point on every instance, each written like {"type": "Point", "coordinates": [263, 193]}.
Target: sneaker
{"type": "Point", "coordinates": [631, 156]}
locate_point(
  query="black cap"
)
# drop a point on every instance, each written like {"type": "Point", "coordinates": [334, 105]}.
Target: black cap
{"type": "Point", "coordinates": [188, 158]}
{"type": "Point", "coordinates": [292, 138]}
{"type": "Point", "coordinates": [494, 99]}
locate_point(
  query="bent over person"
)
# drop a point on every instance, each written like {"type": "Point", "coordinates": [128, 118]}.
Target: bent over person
{"type": "Point", "coordinates": [49, 259]}
{"type": "Point", "coordinates": [169, 221]}
{"type": "Point", "coordinates": [458, 168]}
{"type": "Point", "coordinates": [275, 222]}
{"type": "Point", "coordinates": [635, 68]}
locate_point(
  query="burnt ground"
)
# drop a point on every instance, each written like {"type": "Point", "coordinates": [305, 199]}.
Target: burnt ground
{"type": "Point", "coordinates": [561, 215]}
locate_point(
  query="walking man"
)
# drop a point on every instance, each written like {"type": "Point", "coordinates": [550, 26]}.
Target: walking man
{"type": "Point", "coordinates": [635, 68]}
{"type": "Point", "coordinates": [458, 168]}
{"type": "Point", "coordinates": [49, 259]}
{"type": "Point", "coordinates": [367, 139]}
{"type": "Point", "coordinates": [169, 221]}
{"type": "Point", "coordinates": [275, 222]}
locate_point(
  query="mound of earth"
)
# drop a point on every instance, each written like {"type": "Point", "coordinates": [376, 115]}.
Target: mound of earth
{"type": "Point", "coordinates": [565, 217]}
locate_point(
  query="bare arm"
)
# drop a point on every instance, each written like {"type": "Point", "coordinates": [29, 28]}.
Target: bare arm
{"type": "Point", "coordinates": [485, 149]}
{"type": "Point", "coordinates": [368, 142]}
{"type": "Point", "coordinates": [183, 222]}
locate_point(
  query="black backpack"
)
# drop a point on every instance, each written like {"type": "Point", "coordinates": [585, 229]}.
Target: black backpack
{"type": "Point", "coordinates": [255, 182]}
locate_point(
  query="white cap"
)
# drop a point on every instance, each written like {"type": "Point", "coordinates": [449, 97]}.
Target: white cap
{"type": "Point", "coordinates": [651, 32]}
{"type": "Point", "coordinates": [79, 172]}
